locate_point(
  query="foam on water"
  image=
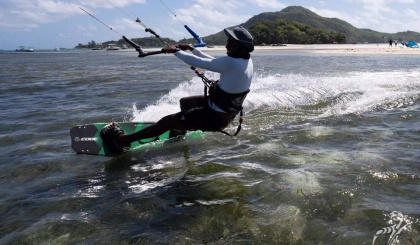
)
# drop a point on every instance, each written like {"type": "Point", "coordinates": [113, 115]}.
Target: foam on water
{"type": "Point", "coordinates": [354, 92]}
{"type": "Point", "coordinates": [169, 103]}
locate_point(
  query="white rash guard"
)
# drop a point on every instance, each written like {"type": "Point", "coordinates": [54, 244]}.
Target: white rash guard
{"type": "Point", "coordinates": [235, 73]}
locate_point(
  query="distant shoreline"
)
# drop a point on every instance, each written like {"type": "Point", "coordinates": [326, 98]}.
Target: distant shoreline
{"type": "Point", "coordinates": [380, 48]}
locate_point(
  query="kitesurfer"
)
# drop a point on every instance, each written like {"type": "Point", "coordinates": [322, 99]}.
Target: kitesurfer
{"type": "Point", "coordinates": [207, 113]}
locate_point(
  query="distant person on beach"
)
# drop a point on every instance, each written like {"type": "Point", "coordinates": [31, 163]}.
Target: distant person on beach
{"type": "Point", "coordinates": [390, 42]}
{"type": "Point", "coordinates": [396, 42]}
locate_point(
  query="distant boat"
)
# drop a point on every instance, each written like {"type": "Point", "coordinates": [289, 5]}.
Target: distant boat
{"type": "Point", "coordinates": [112, 47]}
{"type": "Point", "coordinates": [24, 49]}
{"type": "Point", "coordinates": [98, 48]}
{"type": "Point", "coordinates": [56, 49]}
{"type": "Point", "coordinates": [124, 46]}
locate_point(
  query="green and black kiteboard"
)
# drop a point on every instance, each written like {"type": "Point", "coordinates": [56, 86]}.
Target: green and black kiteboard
{"type": "Point", "coordinates": [86, 139]}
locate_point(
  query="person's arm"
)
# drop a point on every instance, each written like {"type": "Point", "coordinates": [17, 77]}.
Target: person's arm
{"type": "Point", "coordinates": [194, 51]}
{"type": "Point", "coordinates": [201, 54]}
{"type": "Point", "coordinates": [219, 65]}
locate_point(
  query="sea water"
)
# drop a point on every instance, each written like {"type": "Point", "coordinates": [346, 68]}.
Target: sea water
{"type": "Point", "coordinates": [328, 154]}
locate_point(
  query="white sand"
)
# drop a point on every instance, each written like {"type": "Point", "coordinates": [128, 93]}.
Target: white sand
{"type": "Point", "coordinates": [382, 48]}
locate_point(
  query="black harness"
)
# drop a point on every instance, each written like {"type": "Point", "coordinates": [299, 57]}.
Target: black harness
{"type": "Point", "coordinates": [228, 102]}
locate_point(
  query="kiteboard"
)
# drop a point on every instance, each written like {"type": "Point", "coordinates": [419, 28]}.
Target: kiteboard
{"type": "Point", "coordinates": [86, 139]}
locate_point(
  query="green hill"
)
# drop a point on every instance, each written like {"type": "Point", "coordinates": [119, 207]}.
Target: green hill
{"type": "Point", "coordinates": [307, 17]}
{"type": "Point", "coordinates": [299, 21]}
{"type": "Point", "coordinates": [282, 31]}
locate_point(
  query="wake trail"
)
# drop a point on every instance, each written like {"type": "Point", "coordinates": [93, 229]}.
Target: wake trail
{"type": "Point", "coordinates": [354, 92]}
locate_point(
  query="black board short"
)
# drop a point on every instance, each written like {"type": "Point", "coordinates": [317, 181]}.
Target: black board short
{"type": "Point", "coordinates": [204, 118]}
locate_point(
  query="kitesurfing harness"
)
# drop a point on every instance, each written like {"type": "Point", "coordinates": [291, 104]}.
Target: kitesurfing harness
{"type": "Point", "coordinates": [228, 102]}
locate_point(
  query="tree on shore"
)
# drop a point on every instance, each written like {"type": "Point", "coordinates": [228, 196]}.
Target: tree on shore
{"type": "Point", "coordinates": [284, 31]}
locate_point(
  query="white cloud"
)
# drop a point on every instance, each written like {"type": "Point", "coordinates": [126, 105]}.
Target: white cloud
{"type": "Point", "coordinates": [19, 26]}
{"type": "Point", "coordinates": [381, 2]}
{"type": "Point", "coordinates": [269, 4]}
{"type": "Point", "coordinates": [378, 6]}
{"type": "Point", "coordinates": [222, 4]}
{"type": "Point", "coordinates": [27, 14]}
{"type": "Point", "coordinates": [109, 4]}
{"type": "Point", "coordinates": [207, 17]}
{"type": "Point", "coordinates": [379, 15]}
{"type": "Point", "coordinates": [48, 11]}
{"type": "Point", "coordinates": [88, 28]}
{"type": "Point", "coordinates": [56, 7]}
{"type": "Point", "coordinates": [337, 14]}
{"type": "Point", "coordinates": [412, 14]}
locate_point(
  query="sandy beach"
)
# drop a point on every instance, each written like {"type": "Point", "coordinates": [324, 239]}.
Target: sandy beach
{"type": "Point", "coordinates": [382, 48]}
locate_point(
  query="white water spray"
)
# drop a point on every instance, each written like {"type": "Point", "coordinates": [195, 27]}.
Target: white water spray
{"type": "Point", "coordinates": [355, 92]}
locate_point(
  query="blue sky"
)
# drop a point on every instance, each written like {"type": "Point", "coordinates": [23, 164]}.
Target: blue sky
{"type": "Point", "coordinates": [45, 24]}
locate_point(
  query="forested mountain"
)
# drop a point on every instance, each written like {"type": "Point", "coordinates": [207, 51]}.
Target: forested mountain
{"type": "Point", "coordinates": [307, 17]}
{"type": "Point", "coordinates": [282, 31]}
{"type": "Point", "coordinates": [295, 25]}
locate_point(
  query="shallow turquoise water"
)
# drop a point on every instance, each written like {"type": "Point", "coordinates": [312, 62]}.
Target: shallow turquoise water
{"type": "Point", "coordinates": [328, 151]}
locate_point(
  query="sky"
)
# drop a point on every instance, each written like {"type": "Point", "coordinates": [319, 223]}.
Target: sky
{"type": "Point", "coordinates": [46, 24]}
